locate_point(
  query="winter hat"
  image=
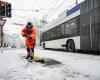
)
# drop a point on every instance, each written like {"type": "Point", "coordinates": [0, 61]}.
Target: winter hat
{"type": "Point", "coordinates": [29, 25]}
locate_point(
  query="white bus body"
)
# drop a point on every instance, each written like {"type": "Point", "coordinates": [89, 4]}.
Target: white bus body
{"type": "Point", "coordinates": [61, 43]}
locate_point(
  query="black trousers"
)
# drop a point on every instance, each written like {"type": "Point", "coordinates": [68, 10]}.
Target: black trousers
{"type": "Point", "coordinates": [30, 49]}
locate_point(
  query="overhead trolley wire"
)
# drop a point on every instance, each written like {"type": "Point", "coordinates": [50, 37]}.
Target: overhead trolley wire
{"type": "Point", "coordinates": [49, 12]}
{"type": "Point", "coordinates": [36, 4]}
{"type": "Point", "coordinates": [56, 9]}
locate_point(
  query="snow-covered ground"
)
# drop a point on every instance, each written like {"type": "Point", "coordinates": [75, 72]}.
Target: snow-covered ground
{"type": "Point", "coordinates": [74, 66]}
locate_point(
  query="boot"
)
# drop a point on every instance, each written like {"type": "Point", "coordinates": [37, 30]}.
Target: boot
{"type": "Point", "coordinates": [27, 57]}
{"type": "Point", "coordinates": [31, 57]}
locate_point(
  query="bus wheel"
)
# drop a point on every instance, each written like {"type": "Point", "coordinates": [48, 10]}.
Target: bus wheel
{"type": "Point", "coordinates": [70, 46]}
{"type": "Point", "coordinates": [44, 45]}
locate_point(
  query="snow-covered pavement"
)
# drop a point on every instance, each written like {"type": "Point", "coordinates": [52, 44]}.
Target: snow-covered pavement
{"type": "Point", "coordinates": [74, 66]}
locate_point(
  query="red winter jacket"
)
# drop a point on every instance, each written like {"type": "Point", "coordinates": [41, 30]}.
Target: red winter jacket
{"type": "Point", "coordinates": [30, 37]}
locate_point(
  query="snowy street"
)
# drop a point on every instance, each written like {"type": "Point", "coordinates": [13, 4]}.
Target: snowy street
{"type": "Point", "coordinates": [73, 66]}
{"type": "Point", "coordinates": [31, 34]}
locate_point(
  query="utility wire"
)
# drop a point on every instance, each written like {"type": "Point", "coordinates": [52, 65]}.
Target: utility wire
{"type": "Point", "coordinates": [25, 10]}
{"type": "Point", "coordinates": [34, 9]}
{"type": "Point", "coordinates": [36, 4]}
{"type": "Point", "coordinates": [56, 9]}
{"type": "Point", "coordinates": [40, 9]}
{"type": "Point", "coordinates": [49, 12]}
{"type": "Point", "coordinates": [19, 4]}
{"type": "Point", "coordinates": [59, 8]}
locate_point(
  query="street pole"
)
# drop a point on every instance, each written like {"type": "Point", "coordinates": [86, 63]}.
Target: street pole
{"type": "Point", "coordinates": [1, 33]}
{"type": "Point", "coordinates": [1, 36]}
{"type": "Point", "coordinates": [2, 22]}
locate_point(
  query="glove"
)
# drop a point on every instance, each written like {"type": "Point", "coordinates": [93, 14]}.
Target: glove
{"type": "Point", "coordinates": [24, 35]}
{"type": "Point", "coordinates": [29, 38]}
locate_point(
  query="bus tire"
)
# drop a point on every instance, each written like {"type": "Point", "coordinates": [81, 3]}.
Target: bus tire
{"type": "Point", "coordinates": [44, 45]}
{"type": "Point", "coordinates": [70, 46]}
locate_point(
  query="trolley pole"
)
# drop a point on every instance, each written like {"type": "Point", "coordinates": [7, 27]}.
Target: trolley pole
{"type": "Point", "coordinates": [76, 2]}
